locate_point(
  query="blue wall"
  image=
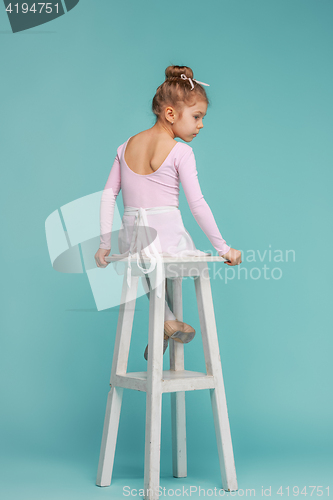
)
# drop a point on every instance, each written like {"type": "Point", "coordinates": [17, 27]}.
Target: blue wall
{"type": "Point", "coordinates": [73, 90]}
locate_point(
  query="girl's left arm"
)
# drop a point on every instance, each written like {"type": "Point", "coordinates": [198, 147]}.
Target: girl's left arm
{"type": "Point", "coordinates": [108, 200]}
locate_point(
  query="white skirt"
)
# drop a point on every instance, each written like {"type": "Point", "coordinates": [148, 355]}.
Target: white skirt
{"type": "Point", "coordinates": [152, 232]}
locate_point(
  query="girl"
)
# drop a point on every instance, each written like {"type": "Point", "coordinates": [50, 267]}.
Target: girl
{"type": "Point", "coordinates": [148, 168]}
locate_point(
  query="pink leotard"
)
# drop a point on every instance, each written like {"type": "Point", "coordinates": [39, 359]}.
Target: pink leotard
{"type": "Point", "coordinates": [156, 189]}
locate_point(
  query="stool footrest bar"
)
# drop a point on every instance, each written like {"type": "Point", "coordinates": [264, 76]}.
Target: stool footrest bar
{"type": "Point", "coordinates": [172, 381]}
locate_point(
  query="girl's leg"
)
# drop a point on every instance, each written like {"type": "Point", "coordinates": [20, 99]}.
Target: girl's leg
{"type": "Point", "coordinates": [168, 314]}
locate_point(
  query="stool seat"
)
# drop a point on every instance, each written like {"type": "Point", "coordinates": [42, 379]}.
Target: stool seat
{"type": "Point", "coordinates": [156, 381]}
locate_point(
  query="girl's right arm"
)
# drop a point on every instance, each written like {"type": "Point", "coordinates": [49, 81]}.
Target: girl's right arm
{"type": "Point", "coordinates": [108, 200]}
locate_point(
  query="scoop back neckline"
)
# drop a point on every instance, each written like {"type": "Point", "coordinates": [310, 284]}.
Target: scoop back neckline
{"type": "Point", "coordinates": [152, 173]}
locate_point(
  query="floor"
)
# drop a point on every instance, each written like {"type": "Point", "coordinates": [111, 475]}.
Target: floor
{"type": "Point", "coordinates": [47, 478]}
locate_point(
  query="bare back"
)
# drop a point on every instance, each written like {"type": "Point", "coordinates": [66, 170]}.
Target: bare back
{"type": "Point", "coordinates": [146, 151]}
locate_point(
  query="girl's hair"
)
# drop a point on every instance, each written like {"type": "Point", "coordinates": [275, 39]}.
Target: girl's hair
{"type": "Point", "coordinates": [175, 91]}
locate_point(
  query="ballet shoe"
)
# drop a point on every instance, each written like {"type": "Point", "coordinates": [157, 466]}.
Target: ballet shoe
{"type": "Point", "coordinates": [178, 331]}
{"type": "Point", "coordinates": [165, 345]}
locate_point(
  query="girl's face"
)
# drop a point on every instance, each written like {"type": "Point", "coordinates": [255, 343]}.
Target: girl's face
{"type": "Point", "coordinates": [190, 123]}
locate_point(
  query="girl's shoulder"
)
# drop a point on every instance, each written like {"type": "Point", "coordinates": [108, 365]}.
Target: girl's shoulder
{"type": "Point", "coordinates": [183, 156]}
{"type": "Point", "coordinates": [121, 147]}
{"type": "Point", "coordinates": [184, 148]}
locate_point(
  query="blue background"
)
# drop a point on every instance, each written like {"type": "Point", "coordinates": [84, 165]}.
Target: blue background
{"type": "Point", "coordinates": [72, 91]}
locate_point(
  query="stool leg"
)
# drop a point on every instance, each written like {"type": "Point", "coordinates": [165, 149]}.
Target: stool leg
{"type": "Point", "coordinates": [109, 439]}
{"type": "Point", "coordinates": [213, 365]}
{"type": "Point", "coordinates": [154, 395]}
{"type": "Point", "coordinates": [178, 413]}
{"type": "Point", "coordinates": [119, 366]}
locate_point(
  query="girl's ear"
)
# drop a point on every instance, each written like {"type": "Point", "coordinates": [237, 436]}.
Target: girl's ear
{"type": "Point", "coordinates": [169, 114]}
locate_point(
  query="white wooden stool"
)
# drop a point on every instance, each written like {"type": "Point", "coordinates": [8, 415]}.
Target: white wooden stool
{"type": "Point", "coordinates": [177, 380]}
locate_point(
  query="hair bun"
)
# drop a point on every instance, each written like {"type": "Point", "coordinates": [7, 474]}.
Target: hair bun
{"type": "Point", "coordinates": [176, 71]}
{"type": "Point", "coordinates": [177, 92]}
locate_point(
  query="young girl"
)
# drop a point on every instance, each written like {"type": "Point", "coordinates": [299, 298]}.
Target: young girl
{"type": "Point", "coordinates": [148, 168]}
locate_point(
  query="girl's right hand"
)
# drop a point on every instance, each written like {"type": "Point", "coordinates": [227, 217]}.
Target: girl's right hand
{"type": "Point", "coordinates": [234, 257]}
{"type": "Point", "coordinates": [99, 257]}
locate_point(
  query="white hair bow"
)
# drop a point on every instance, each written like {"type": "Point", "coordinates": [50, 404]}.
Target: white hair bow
{"type": "Point", "coordinates": [184, 77]}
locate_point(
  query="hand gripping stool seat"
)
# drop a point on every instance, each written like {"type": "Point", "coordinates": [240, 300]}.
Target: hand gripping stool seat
{"type": "Point", "coordinates": [177, 380]}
